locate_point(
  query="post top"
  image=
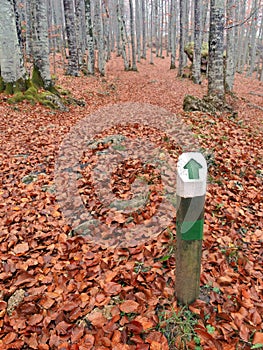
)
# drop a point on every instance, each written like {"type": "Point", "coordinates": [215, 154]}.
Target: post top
{"type": "Point", "coordinates": [191, 175]}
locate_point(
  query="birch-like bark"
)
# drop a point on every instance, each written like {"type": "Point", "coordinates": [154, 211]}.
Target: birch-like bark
{"type": "Point", "coordinates": [133, 67]}
{"type": "Point", "coordinates": [216, 49]}
{"type": "Point", "coordinates": [144, 24]}
{"type": "Point", "coordinates": [90, 40]}
{"type": "Point", "coordinates": [70, 19]}
{"type": "Point", "coordinates": [196, 70]}
{"type": "Point", "coordinates": [121, 21]}
{"type": "Point", "coordinates": [117, 30]}
{"type": "Point", "coordinates": [99, 36]}
{"type": "Point", "coordinates": [151, 33]}
{"type": "Point", "coordinates": [156, 27]}
{"type": "Point", "coordinates": [242, 41]}
{"type": "Point", "coordinates": [11, 58]}
{"type": "Point", "coordinates": [252, 41]}
{"type": "Point", "coordinates": [205, 25]}
{"type": "Point", "coordinates": [80, 29]}
{"type": "Point", "coordinates": [106, 30]}
{"type": "Point", "coordinates": [173, 33]}
{"type": "Point", "coordinates": [182, 37]}
{"type": "Point", "coordinates": [161, 28]}
{"type": "Point", "coordinates": [138, 29]}
{"type": "Point", "coordinates": [230, 47]}
{"type": "Point", "coordinates": [40, 44]}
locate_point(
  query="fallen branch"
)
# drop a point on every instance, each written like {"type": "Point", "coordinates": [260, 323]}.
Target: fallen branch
{"type": "Point", "coordinates": [255, 93]}
{"type": "Point", "coordinates": [255, 106]}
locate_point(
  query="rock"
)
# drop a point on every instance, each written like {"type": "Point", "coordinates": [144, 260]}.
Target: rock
{"type": "Point", "coordinates": [29, 178]}
{"type": "Point", "coordinates": [209, 104]}
{"type": "Point", "coordinates": [15, 300]}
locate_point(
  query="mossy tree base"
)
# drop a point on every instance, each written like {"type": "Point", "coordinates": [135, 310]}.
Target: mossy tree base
{"type": "Point", "coordinates": [208, 104]}
{"type": "Point", "coordinates": [11, 88]}
{"type": "Point", "coordinates": [46, 98]}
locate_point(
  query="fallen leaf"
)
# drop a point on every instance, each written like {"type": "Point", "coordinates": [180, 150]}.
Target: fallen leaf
{"type": "Point", "coordinates": [129, 306]}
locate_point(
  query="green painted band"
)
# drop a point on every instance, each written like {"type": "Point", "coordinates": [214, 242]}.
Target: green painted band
{"type": "Point", "coordinates": [190, 230]}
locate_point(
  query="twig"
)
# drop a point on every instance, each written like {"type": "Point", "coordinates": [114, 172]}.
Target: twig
{"type": "Point", "coordinates": [255, 93]}
{"type": "Point", "coordinates": [245, 20]}
{"type": "Point", "coordinates": [255, 106]}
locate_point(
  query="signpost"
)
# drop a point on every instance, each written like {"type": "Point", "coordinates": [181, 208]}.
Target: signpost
{"type": "Point", "coordinates": [190, 191]}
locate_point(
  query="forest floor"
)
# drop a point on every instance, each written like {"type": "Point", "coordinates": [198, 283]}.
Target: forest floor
{"type": "Point", "coordinates": [60, 291]}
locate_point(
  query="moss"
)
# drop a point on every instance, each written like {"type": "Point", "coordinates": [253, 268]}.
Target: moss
{"type": "Point", "coordinates": [2, 85]}
{"type": "Point", "coordinates": [20, 85]}
{"type": "Point", "coordinates": [204, 51]}
{"type": "Point", "coordinates": [9, 88]}
{"type": "Point", "coordinates": [18, 97]}
{"type": "Point", "coordinates": [31, 92]}
{"type": "Point", "coordinates": [53, 90]}
{"type": "Point", "coordinates": [36, 78]}
{"type": "Point", "coordinates": [28, 90]}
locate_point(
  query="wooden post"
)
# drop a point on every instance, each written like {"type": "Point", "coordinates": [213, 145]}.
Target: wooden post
{"type": "Point", "coordinates": [190, 190]}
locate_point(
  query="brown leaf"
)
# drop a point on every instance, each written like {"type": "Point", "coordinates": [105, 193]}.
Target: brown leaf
{"type": "Point", "coordinates": [77, 333]}
{"type": "Point", "coordinates": [25, 278]}
{"type": "Point", "coordinates": [97, 319]}
{"type": "Point", "coordinates": [9, 338]}
{"type": "Point", "coordinates": [112, 288]}
{"type": "Point", "coordinates": [135, 326]}
{"type": "Point", "coordinates": [21, 248]}
{"type": "Point", "coordinates": [129, 306]}
{"type": "Point", "coordinates": [35, 319]}
{"type": "Point", "coordinates": [258, 338]}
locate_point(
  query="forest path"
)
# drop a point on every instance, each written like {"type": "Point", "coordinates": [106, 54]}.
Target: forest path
{"type": "Point", "coordinates": [69, 285]}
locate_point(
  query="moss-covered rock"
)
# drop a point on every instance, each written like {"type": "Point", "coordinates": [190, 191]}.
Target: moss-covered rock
{"type": "Point", "coordinates": [209, 104]}
{"type": "Point", "coordinates": [189, 50]}
{"type": "Point", "coordinates": [51, 100]}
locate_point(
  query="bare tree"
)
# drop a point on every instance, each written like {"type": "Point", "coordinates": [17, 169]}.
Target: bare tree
{"type": "Point", "coordinates": [143, 29]}
{"type": "Point", "coordinates": [73, 62]}
{"type": "Point", "coordinates": [90, 40]}
{"type": "Point", "coordinates": [138, 29]}
{"type": "Point", "coordinates": [172, 30]}
{"type": "Point", "coordinates": [216, 49]}
{"type": "Point", "coordinates": [134, 66]}
{"type": "Point", "coordinates": [230, 47]}
{"type": "Point", "coordinates": [13, 74]}
{"type": "Point", "coordinates": [197, 41]}
{"type": "Point", "coordinates": [182, 37]}
{"type": "Point", "coordinates": [40, 46]}
{"type": "Point", "coordinates": [98, 25]}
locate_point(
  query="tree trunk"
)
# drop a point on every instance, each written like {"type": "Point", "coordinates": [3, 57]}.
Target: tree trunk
{"type": "Point", "coordinates": [138, 28]}
{"type": "Point", "coordinates": [13, 74]}
{"type": "Point", "coordinates": [230, 47]}
{"type": "Point", "coordinates": [121, 22]}
{"type": "Point", "coordinates": [73, 66]}
{"type": "Point", "coordinates": [143, 30]}
{"type": "Point", "coordinates": [216, 50]}
{"type": "Point", "coordinates": [252, 41]}
{"type": "Point", "coordinates": [151, 32]}
{"type": "Point", "coordinates": [99, 36]}
{"type": "Point", "coordinates": [197, 41]}
{"type": "Point", "coordinates": [80, 29]}
{"type": "Point", "coordinates": [182, 37]}
{"type": "Point", "coordinates": [40, 45]}
{"type": "Point", "coordinates": [173, 33]}
{"type": "Point", "coordinates": [205, 16]}
{"type": "Point", "coordinates": [90, 40]}
{"type": "Point", "coordinates": [134, 67]}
